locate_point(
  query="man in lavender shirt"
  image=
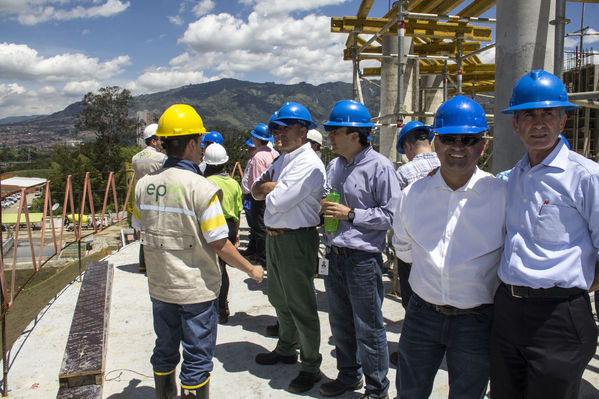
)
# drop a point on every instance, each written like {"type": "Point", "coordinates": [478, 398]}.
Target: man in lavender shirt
{"type": "Point", "coordinates": [369, 191]}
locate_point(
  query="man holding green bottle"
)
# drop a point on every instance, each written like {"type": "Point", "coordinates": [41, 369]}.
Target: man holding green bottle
{"type": "Point", "coordinates": [368, 190]}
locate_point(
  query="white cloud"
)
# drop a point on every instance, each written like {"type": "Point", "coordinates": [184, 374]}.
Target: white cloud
{"type": "Point", "coordinates": [20, 62]}
{"type": "Point", "coordinates": [293, 50]}
{"type": "Point", "coordinates": [268, 7]}
{"type": "Point", "coordinates": [19, 100]}
{"type": "Point", "coordinates": [487, 56]}
{"type": "Point", "coordinates": [158, 79]}
{"type": "Point", "coordinates": [81, 88]}
{"type": "Point", "coordinates": [177, 20]}
{"type": "Point", "coordinates": [32, 12]}
{"type": "Point", "coordinates": [203, 8]}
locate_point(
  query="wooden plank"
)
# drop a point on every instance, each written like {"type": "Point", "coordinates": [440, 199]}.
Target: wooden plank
{"type": "Point", "coordinates": [84, 392]}
{"type": "Point", "coordinates": [84, 357]}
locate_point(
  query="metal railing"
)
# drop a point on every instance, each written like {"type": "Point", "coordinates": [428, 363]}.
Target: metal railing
{"type": "Point", "coordinates": [71, 211]}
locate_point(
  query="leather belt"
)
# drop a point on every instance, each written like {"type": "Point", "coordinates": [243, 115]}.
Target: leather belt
{"type": "Point", "coordinates": [448, 310]}
{"type": "Point", "coordinates": [518, 291]}
{"type": "Point", "coordinates": [280, 232]}
{"type": "Point", "coordinates": [342, 250]}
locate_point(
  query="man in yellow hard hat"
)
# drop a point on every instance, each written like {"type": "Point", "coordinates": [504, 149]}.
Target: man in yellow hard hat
{"type": "Point", "coordinates": [183, 232]}
{"type": "Point", "coordinates": [146, 161]}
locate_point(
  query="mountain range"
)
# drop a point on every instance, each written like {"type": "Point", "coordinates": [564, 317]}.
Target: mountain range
{"type": "Point", "coordinates": [223, 103]}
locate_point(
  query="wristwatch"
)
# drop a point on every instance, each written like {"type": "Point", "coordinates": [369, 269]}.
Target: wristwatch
{"type": "Point", "coordinates": [351, 215]}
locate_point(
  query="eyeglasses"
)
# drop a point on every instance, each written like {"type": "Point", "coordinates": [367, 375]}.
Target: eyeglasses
{"type": "Point", "coordinates": [453, 139]}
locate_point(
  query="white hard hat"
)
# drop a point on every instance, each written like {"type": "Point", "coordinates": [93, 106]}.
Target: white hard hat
{"type": "Point", "coordinates": [315, 136]}
{"type": "Point", "coordinates": [150, 130]}
{"type": "Point", "coordinates": [215, 154]}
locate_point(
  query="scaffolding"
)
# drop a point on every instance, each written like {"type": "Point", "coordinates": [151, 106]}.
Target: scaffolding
{"type": "Point", "coordinates": [449, 46]}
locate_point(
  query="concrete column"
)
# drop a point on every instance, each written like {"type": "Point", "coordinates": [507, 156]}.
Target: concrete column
{"type": "Point", "coordinates": [431, 99]}
{"type": "Point", "coordinates": [388, 98]}
{"type": "Point", "coordinates": [389, 72]}
{"type": "Point", "coordinates": [525, 41]}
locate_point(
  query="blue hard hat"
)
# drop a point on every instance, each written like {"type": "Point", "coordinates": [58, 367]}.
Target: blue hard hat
{"type": "Point", "coordinates": [261, 132]}
{"type": "Point", "coordinates": [410, 127]}
{"type": "Point", "coordinates": [213, 137]}
{"type": "Point", "coordinates": [292, 112]}
{"type": "Point", "coordinates": [349, 113]}
{"type": "Point", "coordinates": [460, 115]}
{"type": "Point", "coordinates": [538, 89]}
{"type": "Point", "coordinates": [562, 138]}
{"type": "Point", "coordinates": [249, 143]}
{"type": "Point", "coordinates": [272, 118]}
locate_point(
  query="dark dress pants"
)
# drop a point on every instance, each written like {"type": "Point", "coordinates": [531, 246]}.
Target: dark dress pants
{"type": "Point", "coordinates": [540, 346]}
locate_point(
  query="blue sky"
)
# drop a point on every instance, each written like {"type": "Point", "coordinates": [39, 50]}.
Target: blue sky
{"type": "Point", "coordinates": [52, 52]}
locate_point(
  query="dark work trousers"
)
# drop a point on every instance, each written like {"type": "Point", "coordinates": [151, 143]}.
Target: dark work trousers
{"type": "Point", "coordinates": [403, 272]}
{"type": "Point", "coordinates": [259, 229]}
{"type": "Point", "coordinates": [540, 346]}
{"type": "Point", "coordinates": [224, 287]}
{"type": "Point", "coordinates": [247, 200]}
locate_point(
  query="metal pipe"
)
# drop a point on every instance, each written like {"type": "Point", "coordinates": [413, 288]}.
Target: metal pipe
{"type": "Point", "coordinates": [401, 32]}
{"type": "Point", "coordinates": [560, 21]}
{"type": "Point", "coordinates": [445, 80]}
{"type": "Point", "coordinates": [354, 56]}
{"type": "Point", "coordinates": [583, 95]}
{"type": "Point", "coordinates": [460, 39]}
{"type": "Point", "coordinates": [480, 50]}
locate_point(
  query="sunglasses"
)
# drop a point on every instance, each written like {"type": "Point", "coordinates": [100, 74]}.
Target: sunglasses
{"type": "Point", "coordinates": [453, 139]}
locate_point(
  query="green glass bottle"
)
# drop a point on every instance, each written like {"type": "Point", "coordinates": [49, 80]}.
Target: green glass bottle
{"type": "Point", "coordinates": [331, 225]}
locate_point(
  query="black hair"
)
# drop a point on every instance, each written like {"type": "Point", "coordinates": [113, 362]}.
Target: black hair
{"type": "Point", "coordinates": [175, 145]}
{"type": "Point", "coordinates": [149, 140]}
{"type": "Point", "coordinates": [415, 135]}
{"type": "Point", "coordinates": [363, 133]}
{"type": "Point", "coordinates": [213, 169]}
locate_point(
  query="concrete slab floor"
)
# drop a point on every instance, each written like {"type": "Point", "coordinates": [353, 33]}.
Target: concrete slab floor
{"type": "Point", "coordinates": [35, 359]}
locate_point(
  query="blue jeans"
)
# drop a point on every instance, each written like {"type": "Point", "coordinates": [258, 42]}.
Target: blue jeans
{"type": "Point", "coordinates": [428, 335]}
{"type": "Point", "coordinates": [194, 327]}
{"type": "Point", "coordinates": [355, 294]}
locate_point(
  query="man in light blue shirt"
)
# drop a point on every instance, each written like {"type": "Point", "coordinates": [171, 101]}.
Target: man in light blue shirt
{"type": "Point", "coordinates": [369, 189]}
{"type": "Point", "coordinates": [544, 333]}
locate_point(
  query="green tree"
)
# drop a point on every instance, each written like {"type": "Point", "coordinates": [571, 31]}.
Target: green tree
{"type": "Point", "coordinates": [107, 114]}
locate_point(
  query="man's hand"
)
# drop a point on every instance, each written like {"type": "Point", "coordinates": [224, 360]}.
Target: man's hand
{"type": "Point", "coordinates": [257, 273]}
{"type": "Point", "coordinates": [333, 210]}
{"type": "Point", "coordinates": [264, 185]}
{"type": "Point", "coordinates": [227, 252]}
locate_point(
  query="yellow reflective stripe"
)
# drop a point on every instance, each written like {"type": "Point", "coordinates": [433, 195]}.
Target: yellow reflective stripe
{"type": "Point", "coordinates": [167, 373]}
{"type": "Point", "coordinates": [212, 201]}
{"type": "Point", "coordinates": [135, 212]}
{"type": "Point", "coordinates": [213, 223]}
{"type": "Point", "coordinates": [196, 386]}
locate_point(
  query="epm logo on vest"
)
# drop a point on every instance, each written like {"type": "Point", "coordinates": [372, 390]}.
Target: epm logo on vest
{"type": "Point", "coordinates": [163, 190]}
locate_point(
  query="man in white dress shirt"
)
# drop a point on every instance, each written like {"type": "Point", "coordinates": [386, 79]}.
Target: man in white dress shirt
{"type": "Point", "coordinates": [450, 226]}
{"type": "Point", "coordinates": [292, 188]}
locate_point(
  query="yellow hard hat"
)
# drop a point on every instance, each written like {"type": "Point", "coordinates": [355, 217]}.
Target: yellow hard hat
{"type": "Point", "coordinates": [180, 120]}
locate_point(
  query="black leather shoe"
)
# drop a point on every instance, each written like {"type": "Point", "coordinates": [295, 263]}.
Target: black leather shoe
{"type": "Point", "coordinates": [272, 330]}
{"type": "Point", "coordinates": [274, 358]}
{"type": "Point", "coordinates": [365, 396]}
{"type": "Point", "coordinates": [336, 387]}
{"type": "Point", "coordinates": [304, 381]}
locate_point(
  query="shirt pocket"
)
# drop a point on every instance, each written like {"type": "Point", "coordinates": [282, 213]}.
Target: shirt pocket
{"type": "Point", "coordinates": [180, 246]}
{"type": "Point", "coordinates": [551, 226]}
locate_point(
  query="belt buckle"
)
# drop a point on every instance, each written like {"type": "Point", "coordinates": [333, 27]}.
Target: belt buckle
{"type": "Point", "coordinates": [514, 292]}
